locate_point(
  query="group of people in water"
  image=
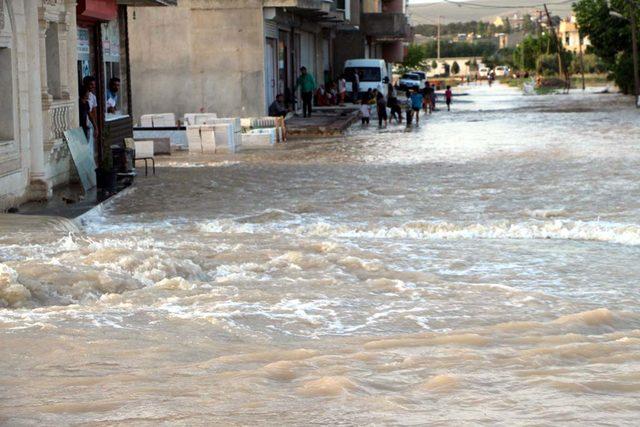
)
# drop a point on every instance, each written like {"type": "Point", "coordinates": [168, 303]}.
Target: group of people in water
{"type": "Point", "coordinates": [392, 107]}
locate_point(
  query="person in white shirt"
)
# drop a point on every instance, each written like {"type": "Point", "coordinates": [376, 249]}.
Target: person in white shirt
{"type": "Point", "coordinates": [365, 113]}
{"type": "Point", "coordinates": [342, 89]}
{"type": "Point", "coordinates": [89, 83]}
{"type": "Point", "coordinates": [112, 95]}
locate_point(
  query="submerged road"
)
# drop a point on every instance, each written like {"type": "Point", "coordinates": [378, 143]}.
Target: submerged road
{"type": "Point", "coordinates": [482, 269]}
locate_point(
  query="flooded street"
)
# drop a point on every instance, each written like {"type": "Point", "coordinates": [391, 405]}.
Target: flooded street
{"type": "Point", "coordinates": [482, 269]}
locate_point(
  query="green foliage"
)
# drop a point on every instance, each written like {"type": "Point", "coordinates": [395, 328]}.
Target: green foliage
{"type": "Point", "coordinates": [547, 64]}
{"type": "Point", "coordinates": [592, 64]}
{"type": "Point", "coordinates": [527, 24]}
{"type": "Point", "coordinates": [610, 37]}
{"type": "Point", "coordinates": [434, 64]}
{"type": "Point", "coordinates": [483, 29]}
{"type": "Point", "coordinates": [472, 64]}
{"type": "Point", "coordinates": [415, 56]}
{"type": "Point", "coordinates": [526, 55]}
{"type": "Point", "coordinates": [458, 49]}
{"type": "Point", "coordinates": [455, 67]}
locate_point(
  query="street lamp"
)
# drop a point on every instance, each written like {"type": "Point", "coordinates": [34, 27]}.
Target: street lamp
{"type": "Point", "coordinates": [634, 47]}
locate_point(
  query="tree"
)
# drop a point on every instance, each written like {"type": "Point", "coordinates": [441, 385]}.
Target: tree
{"type": "Point", "coordinates": [525, 56]}
{"type": "Point", "coordinates": [434, 65]}
{"type": "Point", "coordinates": [507, 26]}
{"type": "Point", "coordinates": [610, 37]}
{"type": "Point", "coordinates": [455, 68]}
{"type": "Point", "coordinates": [461, 49]}
{"type": "Point", "coordinates": [527, 24]}
{"type": "Point", "coordinates": [415, 56]}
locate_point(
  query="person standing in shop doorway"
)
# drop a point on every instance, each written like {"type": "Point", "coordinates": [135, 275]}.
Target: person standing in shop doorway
{"type": "Point", "coordinates": [307, 85]}
{"type": "Point", "coordinates": [89, 85]}
{"type": "Point", "coordinates": [112, 95]}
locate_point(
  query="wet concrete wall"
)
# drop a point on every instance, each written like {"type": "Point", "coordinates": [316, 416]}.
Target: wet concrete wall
{"type": "Point", "coordinates": [203, 55]}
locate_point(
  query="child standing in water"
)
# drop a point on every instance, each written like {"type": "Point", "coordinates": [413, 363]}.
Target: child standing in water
{"type": "Point", "coordinates": [416, 104]}
{"type": "Point", "coordinates": [365, 113]}
{"type": "Point", "coordinates": [408, 108]}
{"type": "Point", "coordinates": [447, 97]}
{"type": "Point", "coordinates": [381, 105]}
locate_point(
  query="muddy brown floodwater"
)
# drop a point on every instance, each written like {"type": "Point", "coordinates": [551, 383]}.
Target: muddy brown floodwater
{"type": "Point", "coordinates": [482, 269]}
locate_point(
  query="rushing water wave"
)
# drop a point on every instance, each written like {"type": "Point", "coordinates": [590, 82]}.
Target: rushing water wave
{"type": "Point", "coordinates": [479, 270]}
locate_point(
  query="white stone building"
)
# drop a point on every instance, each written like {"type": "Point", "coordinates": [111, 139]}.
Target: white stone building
{"type": "Point", "coordinates": [39, 96]}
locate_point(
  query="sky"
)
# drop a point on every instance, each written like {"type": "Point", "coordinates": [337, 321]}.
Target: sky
{"type": "Point", "coordinates": [427, 11]}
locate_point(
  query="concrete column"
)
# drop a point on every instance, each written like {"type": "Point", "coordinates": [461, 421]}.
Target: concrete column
{"type": "Point", "coordinates": [39, 189]}
{"type": "Point", "coordinates": [42, 50]}
{"type": "Point", "coordinates": [63, 31]}
{"type": "Point", "coordinates": [72, 59]}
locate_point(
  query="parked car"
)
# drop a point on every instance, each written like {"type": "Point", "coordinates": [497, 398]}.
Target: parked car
{"type": "Point", "coordinates": [483, 72]}
{"type": "Point", "coordinates": [410, 80]}
{"type": "Point", "coordinates": [502, 71]}
{"type": "Point", "coordinates": [374, 74]}
{"type": "Point", "coordinates": [422, 74]}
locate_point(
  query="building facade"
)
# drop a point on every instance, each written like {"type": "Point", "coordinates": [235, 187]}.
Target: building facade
{"type": "Point", "coordinates": [46, 48]}
{"type": "Point", "coordinates": [232, 57]}
{"type": "Point", "coordinates": [569, 34]}
{"type": "Point", "coordinates": [37, 80]}
{"type": "Point", "coordinates": [381, 30]}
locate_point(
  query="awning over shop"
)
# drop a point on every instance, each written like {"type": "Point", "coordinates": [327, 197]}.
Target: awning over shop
{"type": "Point", "coordinates": [141, 3]}
{"type": "Point", "coordinates": [98, 10]}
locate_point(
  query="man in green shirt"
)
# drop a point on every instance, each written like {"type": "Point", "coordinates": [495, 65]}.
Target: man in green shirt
{"type": "Point", "coordinates": [307, 85]}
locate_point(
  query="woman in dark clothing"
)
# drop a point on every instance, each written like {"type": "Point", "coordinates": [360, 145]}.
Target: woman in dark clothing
{"type": "Point", "coordinates": [382, 109]}
{"type": "Point", "coordinates": [393, 104]}
{"type": "Point", "coordinates": [84, 110]}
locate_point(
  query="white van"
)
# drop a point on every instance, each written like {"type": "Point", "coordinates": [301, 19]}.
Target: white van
{"type": "Point", "coordinates": [374, 74]}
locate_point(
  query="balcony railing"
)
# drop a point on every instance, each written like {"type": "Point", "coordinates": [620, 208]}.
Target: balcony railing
{"type": "Point", "coordinates": [315, 10]}
{"type": "Point", "coordinates": [57, 119]}
{"type": "Point", "coordinates": [386, 26]}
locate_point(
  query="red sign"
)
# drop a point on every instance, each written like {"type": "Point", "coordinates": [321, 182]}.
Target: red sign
{"type": "Point", "coordinates": [99, 10]}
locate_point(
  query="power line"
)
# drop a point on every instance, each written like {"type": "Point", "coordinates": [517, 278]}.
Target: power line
{"type": "Point", "coordinates": [513, 6]}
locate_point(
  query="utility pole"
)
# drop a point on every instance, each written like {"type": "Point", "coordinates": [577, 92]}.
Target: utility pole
{"type": "Point", "coordinates": [439, 36]}
{"type": "Point", "coordinates": [559, 49]}
{"type": "Point", "coordinates": [581, 61]}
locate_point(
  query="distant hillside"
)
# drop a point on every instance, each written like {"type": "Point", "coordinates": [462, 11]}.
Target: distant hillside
{"type": "Point", "coordinates": [428, 13]}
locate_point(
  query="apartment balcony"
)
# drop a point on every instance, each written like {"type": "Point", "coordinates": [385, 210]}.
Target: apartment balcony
{"type": "Point", "coordinates": [316, 10]}
{"type": "Point", "coordinates": [386, 26]}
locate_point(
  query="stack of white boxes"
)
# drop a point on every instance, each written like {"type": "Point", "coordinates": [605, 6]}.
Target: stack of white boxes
{"type": "Point", "coordinates": [192, 119]}
{"type": "Point", "coordinates": [218, 135]}
{"type": "Point", "coordinates": [228, 133]}
{"type": "Point", "coordinates": [262, 132]}
{"type": "Point", "coordinates": [208, 138]}
{"type": "Point", "coordinates": [164, 120]}
{"type": "Point", "coordinates": [194, 140]}
{"type": "Point", "coordinates": [255, 138]}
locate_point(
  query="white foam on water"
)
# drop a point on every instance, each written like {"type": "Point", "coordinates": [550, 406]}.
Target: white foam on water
{"type": "Point", "coordinates": [625, 234]}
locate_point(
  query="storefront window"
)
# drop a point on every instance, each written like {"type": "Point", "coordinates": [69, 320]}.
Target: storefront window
{"type": "Point", "coordinates": [113, 70]}
{"type": "Point", "coordinates": [86, 56]}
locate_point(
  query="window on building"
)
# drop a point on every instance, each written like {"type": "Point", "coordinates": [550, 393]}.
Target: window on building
{"type": "Point", "coordinates": [567, 40]}
{"type": "Point", "coordinates": [369, 74]}
{"type": "Point", "coordinates": [114, 80]}
{"type": "Point", "coordinates": [6, 87]}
